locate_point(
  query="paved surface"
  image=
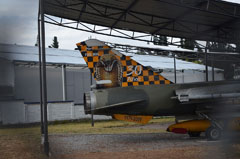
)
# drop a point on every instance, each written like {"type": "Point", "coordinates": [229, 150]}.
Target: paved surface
{"type": "Point", "coordinates": [140, 146]}
{"type": "Point", "coordinates": [71, 143]}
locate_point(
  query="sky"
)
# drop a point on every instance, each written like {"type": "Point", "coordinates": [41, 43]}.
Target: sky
{"type": "Point", "coordinates": [18, 25]}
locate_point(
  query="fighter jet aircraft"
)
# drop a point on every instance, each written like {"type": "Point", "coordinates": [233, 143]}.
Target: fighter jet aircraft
{"type": "Point", "coordinates": [127, 90]}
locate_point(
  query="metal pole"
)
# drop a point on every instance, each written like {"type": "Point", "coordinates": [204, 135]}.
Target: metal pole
{"type": "Point", "coordinates": [213, 77]}
{"type": "Point", "coordinates": [40, 74]}
{"type": "Point", "coordinates": [91, 79]}
{"type": "Point", "coordinates": [175, 73]}
{"type": "Point", "coordinates": [44, 80]}
{"type": "Point", "coordinates": [206, 66]}
{"type": "Point", "coordinates": [64, 81]}
{"type": "Point", "coordinates": [92, 112]}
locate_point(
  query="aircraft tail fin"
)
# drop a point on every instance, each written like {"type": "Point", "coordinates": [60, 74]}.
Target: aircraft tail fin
{"type": "Point", "coordinates": [108, 64]}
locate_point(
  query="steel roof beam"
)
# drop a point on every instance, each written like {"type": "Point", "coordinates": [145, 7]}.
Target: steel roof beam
{"type": "Point", "coordinates": [218, 27]}
{"type": "Point", "coordinates": [202, 10]}
{"type": "Point", "coordinates": [82, 10]}
{"type": "Point", "coordinates": [191, 10]}
{"type": "Point", "coordinates": [124, 13]}
{"type": "Point", "coordinates": [101, 15]}
{"type": "Point", "coordinates": [186, 27]}
{"type": "Point", "coordinates": [153, 25]}
{"type": "Point", "coordinates": [133, 12]}
{"type": "Point", "coordinates": [57, 1]}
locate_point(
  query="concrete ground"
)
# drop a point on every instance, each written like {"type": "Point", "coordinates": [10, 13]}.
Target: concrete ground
{"type": "Point", "coordinates": [140, 145]}
{"type": "Point", "coordinates": [113, 140]}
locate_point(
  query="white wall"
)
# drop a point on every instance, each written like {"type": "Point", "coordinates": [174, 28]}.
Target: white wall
{"type": "Point", "coordinates": [16, 112]}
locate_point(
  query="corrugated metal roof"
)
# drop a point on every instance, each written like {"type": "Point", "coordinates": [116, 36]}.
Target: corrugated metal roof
{"type": "Point", "coordinates": [30, 54]}
{"type": "Point", "coordinates": [73, 57]}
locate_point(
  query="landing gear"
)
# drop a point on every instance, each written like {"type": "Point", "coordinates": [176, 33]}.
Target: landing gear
{"type": "Point", "coordinates": [213, 133]}
{"type": "Point", "coordinates": [194, 134]}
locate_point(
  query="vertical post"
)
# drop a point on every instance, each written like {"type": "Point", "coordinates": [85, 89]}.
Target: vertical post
{"type": "Point", "coordinates": [92, 112]}
{"type": "Point", "coordinates": [175, 73]}
{"type": "Point", "coordinates": [44, 80]}
{"type": "Point", "coordinates": [206, 66]}
{"type": "Point", "coordinates": [64, 81]}
{"type": "Point", "coordinates": [91, 79]}
{"type": "Point", "coordinates": [40, 73]}
{"type": "Point", "coordinates": [213, 75]}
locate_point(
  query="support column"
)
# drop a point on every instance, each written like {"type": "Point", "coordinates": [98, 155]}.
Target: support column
{"type": "Point", "coordinates": [213, 75]}
{"type": "Point", "coordinates": [92, 112]}
{"type": "Point", "coordinates": [40, 73]}
{"type": "Point", "coordinates": [206, 66]}
{"type": "Point", "coordinates": [175, 72]}
{"type": "Point", "coordinates": [64, 82]}
{"type": "Point", "coordinates": [44, 79]}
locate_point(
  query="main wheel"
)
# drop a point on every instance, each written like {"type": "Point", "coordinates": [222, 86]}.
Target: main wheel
{"type": "Point", "coordinates": [194, 134]}
{"type": "Point", "coordinates": [213, 133]}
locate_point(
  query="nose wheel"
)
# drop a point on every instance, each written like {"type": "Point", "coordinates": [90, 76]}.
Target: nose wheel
{"type": "Point", "coordinates": [213, 133]}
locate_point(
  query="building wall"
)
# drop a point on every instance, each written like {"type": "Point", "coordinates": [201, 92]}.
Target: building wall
{"type": "Point", "coordinates": [27, 83]}
{"type": "Point", "coordinates": [12, 112]}
{"type": "Point", "coordinates": [17, 112]}
{"type": "Point", "coordinates": [6, 79]}
{"type": "Point", "coordinates": [6, 73]}
{"type": "Point", "coordinates": [77, 82]}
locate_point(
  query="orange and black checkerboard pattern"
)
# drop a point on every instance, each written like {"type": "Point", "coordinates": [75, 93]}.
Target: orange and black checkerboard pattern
{"type": "Point", "coordinates": [134, 74]}
{"type": "Point", "coordinates": [92, 55]}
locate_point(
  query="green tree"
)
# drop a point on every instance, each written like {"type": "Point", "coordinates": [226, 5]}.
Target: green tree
{"type": "Point", "coordinates": [199, 49]}
{"type": "Point", "coordinates": [160, 40]}
{"type": "Point", "coordinates": [220, 47]}
{"type": "Point", "coordinates": [55, 43]}
{"type": "Point", "coordinates": [187, 43]}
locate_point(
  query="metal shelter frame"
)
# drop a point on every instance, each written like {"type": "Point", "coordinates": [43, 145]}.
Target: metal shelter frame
{"type": "Point", "coordinates": [43, 79]}
{"type": "Point", "coordinates": [206, 20]}
{"type": "Point", "coordinates": [143, 19]}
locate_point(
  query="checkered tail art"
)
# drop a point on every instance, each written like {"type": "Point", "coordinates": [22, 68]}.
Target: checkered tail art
{"type": "Point", "coordinates": [105, 63]}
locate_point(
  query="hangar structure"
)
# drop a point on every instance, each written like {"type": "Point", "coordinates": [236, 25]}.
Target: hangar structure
{"type": "Point", "coordinates": [205, 20]}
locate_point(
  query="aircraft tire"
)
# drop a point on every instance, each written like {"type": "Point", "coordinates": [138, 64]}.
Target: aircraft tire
{"type": "Point", "coordinates": [194, 134]}
{"type": "Point", "coordinates": [213, 133]}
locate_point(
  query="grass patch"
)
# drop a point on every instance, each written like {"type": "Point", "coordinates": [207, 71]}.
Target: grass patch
{"type": "Point", "coordinates": [24, 142]}
{"type": "Point", "coordinates": [106, 127]}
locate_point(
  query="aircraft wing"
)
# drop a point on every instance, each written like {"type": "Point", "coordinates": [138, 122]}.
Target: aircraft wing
{"type": "Point", "coordinates": [215, 92]}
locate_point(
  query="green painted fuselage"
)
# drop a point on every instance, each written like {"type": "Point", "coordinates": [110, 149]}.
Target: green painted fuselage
{"type": "Point", "coordinates": [153, 100]}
